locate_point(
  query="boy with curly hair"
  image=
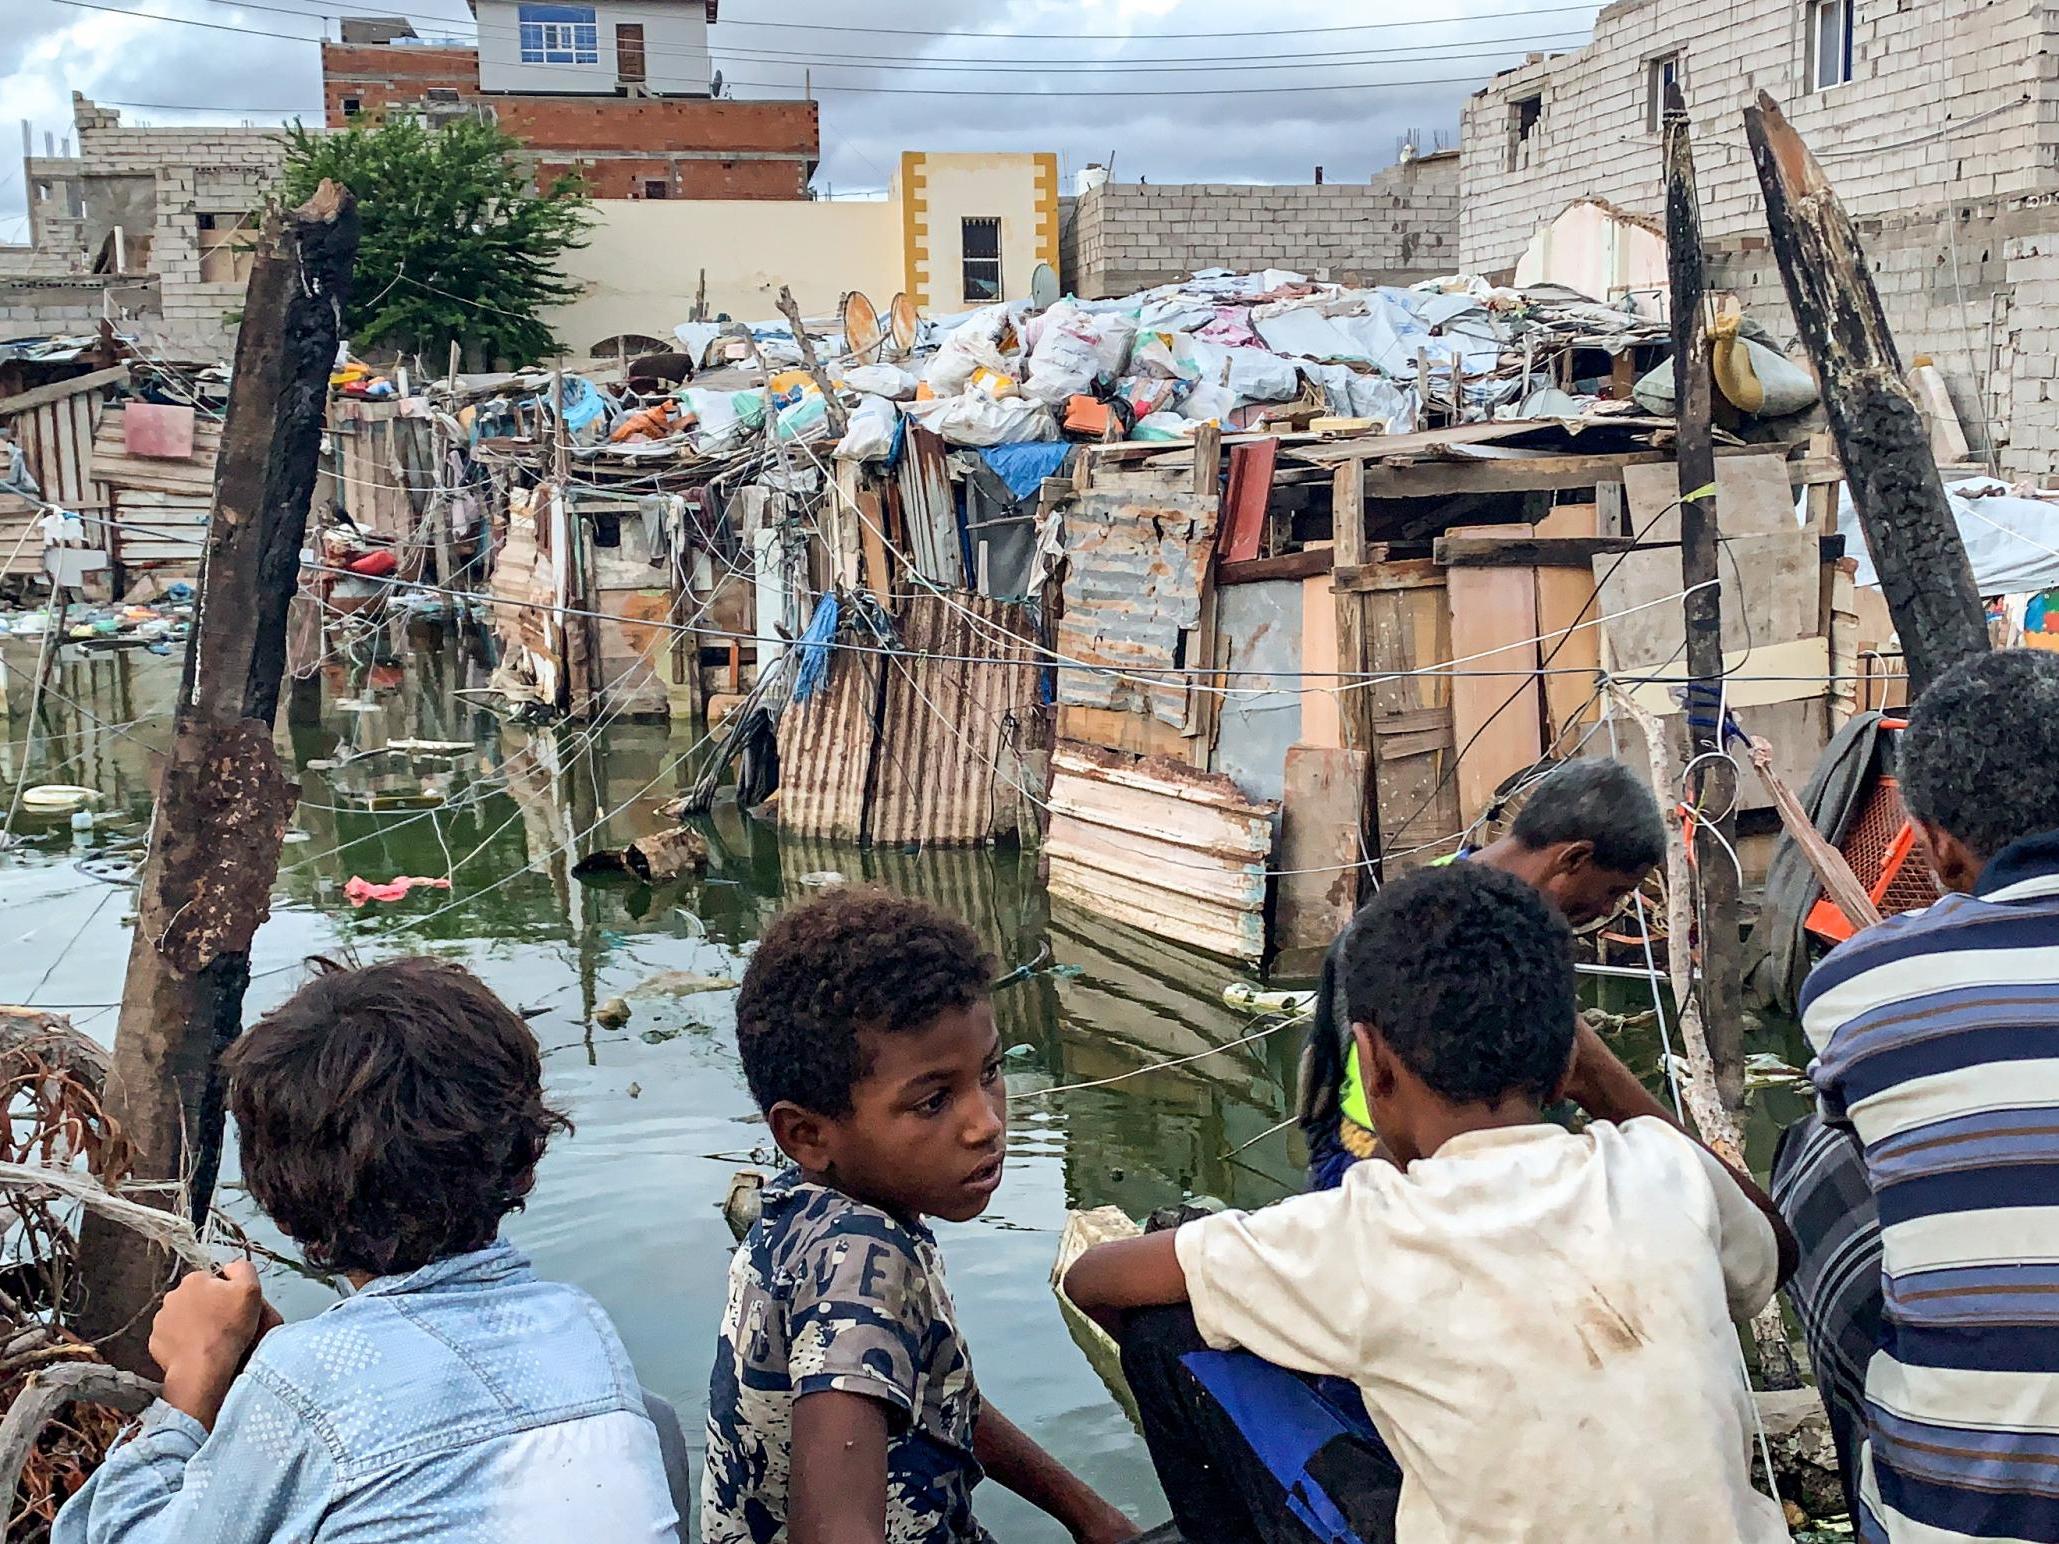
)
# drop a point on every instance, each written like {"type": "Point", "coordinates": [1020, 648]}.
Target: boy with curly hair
{"type": "Point", "coordinates": [389, 1119]}
{"type": "Point", "coordinates": [843, 1408]}
{"type": "Point", "coordinates": [1537, 1322]}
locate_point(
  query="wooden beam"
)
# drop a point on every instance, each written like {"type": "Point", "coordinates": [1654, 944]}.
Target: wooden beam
{"type": "Point", "coordinates": [1356, 711]}
{"type": "Point", "coordinates": [57, 391]}
{"type": "Point", "coordinates": [1305, 564]}
{"type": "Point", "coordinates": [1882, 436]}
{"type": "Point", "coordinates": [1534, 551]}
{"type": "Point", "coordinates": [1720, 983]}
{"type": "Point", "coordinates": [224, 802]}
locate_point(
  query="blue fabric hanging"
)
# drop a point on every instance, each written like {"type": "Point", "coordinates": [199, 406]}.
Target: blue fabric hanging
{"type": "Point", "coordinates": [814, 649]}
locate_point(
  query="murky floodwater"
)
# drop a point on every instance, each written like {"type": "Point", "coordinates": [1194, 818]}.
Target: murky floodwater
{"type": "Point", "coordinates": [628, 1206]}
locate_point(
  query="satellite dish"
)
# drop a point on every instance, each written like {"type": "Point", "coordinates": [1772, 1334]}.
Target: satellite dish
{"type": "Point", "coordinates": [1044, 290]}
{"type": "Point", "coordinates": [715, 85]}
{"type": "Point", "coordinates": [903, 326]}
{"type": "Point", "coordinates": [863, 336]}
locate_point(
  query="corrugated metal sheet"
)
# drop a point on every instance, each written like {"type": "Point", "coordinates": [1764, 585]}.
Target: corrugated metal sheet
{"type": "Point", "coordinates": [929, 509]}
{"type": "Point", "coordinates": [1160, 847]}
{"type": "Point", "coordinates": [935, 756]}
{"type": "Point", "coordinates": [826, 745]}
{"type": "Point", "coordinates": [1135, 566]}
{"type": "Point", "coordinates": [950, 769]}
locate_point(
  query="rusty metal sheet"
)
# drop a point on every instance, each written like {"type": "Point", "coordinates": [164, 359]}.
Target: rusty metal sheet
{"type": "Point", "coordinates": [1136, 563]}
{"type": "Point", "coordinates": [929, 509]}
{"type": "Point", "coordinates": [960, 700]}
{"type": "Point", "coordinates": [826, 747]}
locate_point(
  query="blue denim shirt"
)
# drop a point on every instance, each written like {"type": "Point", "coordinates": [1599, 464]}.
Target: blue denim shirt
{"type": "Point", "coordinates": [466, 1401]}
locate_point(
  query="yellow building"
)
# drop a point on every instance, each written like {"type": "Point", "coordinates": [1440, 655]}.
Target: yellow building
{"type": "Point", "coordinates": [956, 231]}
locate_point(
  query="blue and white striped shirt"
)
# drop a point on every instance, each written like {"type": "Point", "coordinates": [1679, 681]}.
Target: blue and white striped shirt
{"type": "Point", "coordinates": [1937, 1040]}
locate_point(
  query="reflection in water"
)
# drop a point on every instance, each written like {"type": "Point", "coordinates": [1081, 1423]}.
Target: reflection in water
{"type": "Point", "coordinates": [403, 772]}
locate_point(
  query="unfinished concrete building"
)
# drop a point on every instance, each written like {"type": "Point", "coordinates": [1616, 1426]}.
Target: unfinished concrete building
{"type": "Point", "coordinates": [1938, 123]}
{"type": "Point", "coordinates": [149, 228]}
{"type": "Point", "coordinates": [1401, 226]}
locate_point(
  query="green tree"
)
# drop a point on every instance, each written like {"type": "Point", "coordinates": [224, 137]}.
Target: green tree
{"type": "Point", "coordinates": [456, 243]}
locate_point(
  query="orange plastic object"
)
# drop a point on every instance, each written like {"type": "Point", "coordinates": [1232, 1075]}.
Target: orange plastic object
{"type": "Point", "coordinates": [1086, 415]}
{"type": "Point", "coordinates": [1881, 848]}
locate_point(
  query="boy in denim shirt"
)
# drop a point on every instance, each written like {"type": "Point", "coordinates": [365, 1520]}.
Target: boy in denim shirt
{"type": "Point", "coordinates": [389, 1119]}
{"type": "Point", "coordinates": [843, 1405]}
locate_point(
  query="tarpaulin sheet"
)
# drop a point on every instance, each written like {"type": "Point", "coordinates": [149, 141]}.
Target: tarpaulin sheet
{"type": "Point", "coordinates": [2013, 543]}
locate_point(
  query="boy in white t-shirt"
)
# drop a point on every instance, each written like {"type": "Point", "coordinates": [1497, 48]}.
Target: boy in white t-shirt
{"type": "Point", "coordinates": [1539, 1322]}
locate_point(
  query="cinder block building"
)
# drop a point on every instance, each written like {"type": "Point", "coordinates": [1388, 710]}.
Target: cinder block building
{"type": "Point", "coordinates": [1400, 226]}
{"type": "Point", "coordinates": [150, 228]}
{"type": "Point", "coordinates": [1938, 123]}
{"type": "Point", "coordinates": [622, 94]}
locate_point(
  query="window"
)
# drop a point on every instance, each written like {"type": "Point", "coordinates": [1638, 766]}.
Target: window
{"type": "Point", "coordinates": [980, 247]}
{"type": "Point", "coordinates": [656, 187]}
{"type": "Point", "coordinates": [352, 106]}
{"type": "Point", "coordinates": [228, 247]}
{"type": "Point", "coordinates": [1660, 76]}
{"type": "Point", "coordinates": [1525, 113]}
{"type": "Point", "coordinates": [1830, 43]}
{"type": "Point", "coordinates": [560, 34]}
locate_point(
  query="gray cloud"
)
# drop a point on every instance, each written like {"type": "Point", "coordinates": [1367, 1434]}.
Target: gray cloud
{"type": "Point", "coordinates": [1379, 85]}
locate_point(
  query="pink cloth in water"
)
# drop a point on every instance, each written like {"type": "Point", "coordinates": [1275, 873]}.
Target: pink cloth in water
{"type": "Point", "coordinates": [357, 891]}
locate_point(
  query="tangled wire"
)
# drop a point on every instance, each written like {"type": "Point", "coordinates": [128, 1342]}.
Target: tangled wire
{"type": "Point", "coordinates": [51, 1117]}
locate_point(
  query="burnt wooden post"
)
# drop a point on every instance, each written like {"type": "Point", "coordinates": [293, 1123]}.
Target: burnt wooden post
{"type": "Point", "coordinates": [1881, 436]}
{"type": "Point", "coordinates": [224, 802]}
{"type": "Point", "coordinates": [1721, 986]}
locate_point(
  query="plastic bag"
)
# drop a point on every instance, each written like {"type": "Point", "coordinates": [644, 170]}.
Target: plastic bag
{"type": "Point", "coordinates": [870, 436]}
{"type": "Point", "coordinates": [1073, 350]}
{"type": "Point", "coordinates": [889, 381]}
{"type": "Point", "coordinates": [1161, 426]}
{"type": "Point", "coordinates": [1251, 374]}
{"type": "Point", "coordinates": [1166, 354]}
{"type": "Point", "coordinates": [1205, 403]}
{"type": "Point", "coordinates": [974, 343]}
{"type": "Point", "coordinates": [1756, 379]}
{"type": "Point", "coordinates": [975, 419]}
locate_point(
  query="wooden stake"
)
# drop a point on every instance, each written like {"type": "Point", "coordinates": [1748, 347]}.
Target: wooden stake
{"type": "Point", "coordinates": [839, 420]}
{"type": "Point", "coordinates": [1881, 434]}
{"type": "Point", "coordinates": [1721, 982]}
{"type": "Point", "coordinates": [224, 803]}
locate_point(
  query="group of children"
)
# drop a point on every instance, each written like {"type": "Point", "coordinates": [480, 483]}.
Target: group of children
{"type": "Point", "coordinates": [1482, 1325]}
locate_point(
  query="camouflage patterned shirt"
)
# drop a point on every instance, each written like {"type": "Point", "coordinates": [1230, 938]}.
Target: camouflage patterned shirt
{"type": "Point", "coordinates": [828, 1293]}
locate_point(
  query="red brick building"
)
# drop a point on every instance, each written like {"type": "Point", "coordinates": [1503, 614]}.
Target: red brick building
{"type": "Point", "coordinates": [605, 112]}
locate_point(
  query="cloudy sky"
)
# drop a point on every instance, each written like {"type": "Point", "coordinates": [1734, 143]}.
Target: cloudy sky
{"type": "Point", "coordinates": [1173, 90]}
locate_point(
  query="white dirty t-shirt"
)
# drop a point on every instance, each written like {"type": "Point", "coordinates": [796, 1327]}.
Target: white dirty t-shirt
{"type": "Point", "coordinates": [1540, 1323]}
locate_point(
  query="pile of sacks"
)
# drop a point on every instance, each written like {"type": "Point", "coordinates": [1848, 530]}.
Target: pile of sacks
{"type": "Point", "coordinates": [1228, 349]}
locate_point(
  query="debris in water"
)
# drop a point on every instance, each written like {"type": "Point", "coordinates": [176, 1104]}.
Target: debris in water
{"type": "Point", "coordinates": [745, 1203]}
{"type": "Point", "coordinates": [656, 859]}
{"type": "Point", "coordinates": [822, 879]}
{"type": "Point", "coordinates": [358, 891]}
{"type": "Point", "coordinates": [612, 1014]}
{"type": "Point", "coordinates": [57, 799]}
{"type": "Point", "coordinates": [681, 983]}
{"type": "Point", "coordinates": [659, 1034]}
{"type": "Point", "coordinates": [636, 1090]}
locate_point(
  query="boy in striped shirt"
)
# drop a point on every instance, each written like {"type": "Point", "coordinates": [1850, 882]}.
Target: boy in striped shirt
{"type": "Point", "coordinates": [1937, 1041]}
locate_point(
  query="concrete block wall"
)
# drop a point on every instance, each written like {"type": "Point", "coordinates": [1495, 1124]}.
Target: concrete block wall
{"type": "Point", "coordinates": [1401, 226]}
{"type": "Point", "coordinates": [1950, 100]}
{"type": "Point", "coordinates": [32, 307]}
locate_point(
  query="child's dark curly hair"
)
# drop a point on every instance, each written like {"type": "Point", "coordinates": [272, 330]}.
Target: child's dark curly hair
{"type": "Point", "coordinates": [854, 959]}
{"type": "Point", "coordinates": [1467, 973]}
{"type": "Point", "coordinates": [389, 1116]}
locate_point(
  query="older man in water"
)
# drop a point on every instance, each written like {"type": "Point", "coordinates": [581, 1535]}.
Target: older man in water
{"type": "Point", "coordinates": [1585, 838]}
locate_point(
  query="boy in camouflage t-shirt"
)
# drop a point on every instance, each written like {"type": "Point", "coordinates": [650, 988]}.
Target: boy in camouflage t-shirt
{"type": "Point", "coordinates": [843, 1403]}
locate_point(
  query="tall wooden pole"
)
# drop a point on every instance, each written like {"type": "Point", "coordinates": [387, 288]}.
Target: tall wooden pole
{"type": "Point", "coordinates": [1721, 988]}
{"type": "Point", "coordinates": [224, 803]}
{"type": "Point", "coordinates": [1881, 436]}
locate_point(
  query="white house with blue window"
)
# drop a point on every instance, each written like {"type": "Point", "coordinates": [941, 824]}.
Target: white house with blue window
{"type": "Point", "coordinates": [620, 47]}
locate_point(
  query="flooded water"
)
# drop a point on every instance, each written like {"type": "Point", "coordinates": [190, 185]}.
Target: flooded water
{"type": "Point", "coordinates": [628, 1206]}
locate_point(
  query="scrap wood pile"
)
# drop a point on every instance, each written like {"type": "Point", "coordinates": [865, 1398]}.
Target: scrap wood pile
{"type": "Point", "coordinates": [51, 1120]}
